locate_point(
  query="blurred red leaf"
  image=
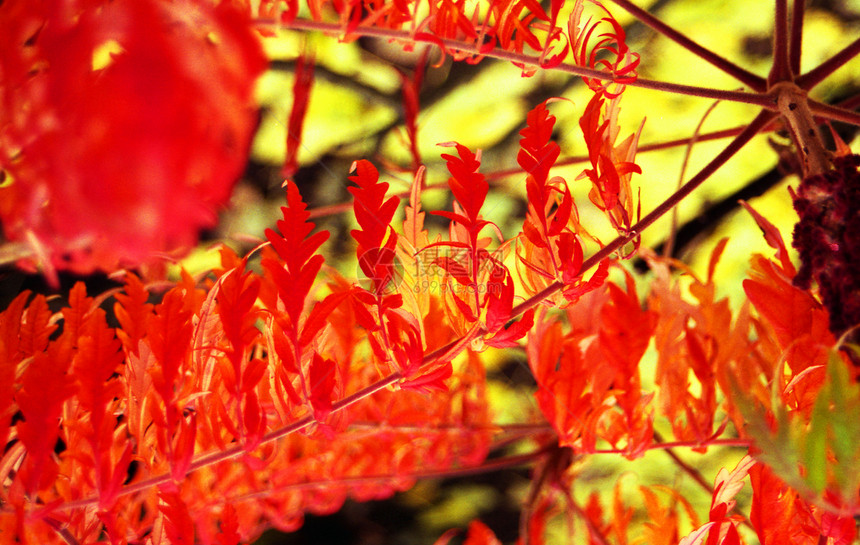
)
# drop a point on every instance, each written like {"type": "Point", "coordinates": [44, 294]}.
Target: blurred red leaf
{"type": "Point", "coordinates": [304, 80]}
{"type": "Point", "coordinates": [120, 110]}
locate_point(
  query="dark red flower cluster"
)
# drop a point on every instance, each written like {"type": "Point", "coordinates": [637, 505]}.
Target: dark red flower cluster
{"type": "Point", "coordinates": [123, 125]}
{"type": "Point", "coordinates": [828, 239]}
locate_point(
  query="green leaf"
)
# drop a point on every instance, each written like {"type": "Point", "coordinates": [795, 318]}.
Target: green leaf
{"type": "Point", "coordinates": [815, 448]}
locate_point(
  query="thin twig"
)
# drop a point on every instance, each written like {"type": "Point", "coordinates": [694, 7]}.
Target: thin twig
{"type": "Point", "coordinates": [63, 532]}
{"type": "Point", "coordinates": [849, 103]}
{"type": "Point", "coordinates": [669, 246]}
{"type": "Point", "coordinates": [754, 82]}
{"type": "Point", "coordinates": [682, 444]}
{"type": "Point", "coordinates": [755, 98]}
{"type": "Point", "coordinates": [780, 70]}
{"type": "Point", "coordinates": [834, 113]}
{"type": "Point", "coordinates": [694, 473]}
{"type": "Point", "coordinates": [796, 38]}
{"type": "Point", "coordinates": [815, 76]}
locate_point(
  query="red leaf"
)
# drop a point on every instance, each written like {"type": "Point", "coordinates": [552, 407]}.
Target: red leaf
{"type": "Point", "coordinates": [467, 184]}
{"type": "Point", "coordinates": [842, 530]}
{"type": "Point", "coordinates": [609, 54]}
{"type": "Point", "coordinates": [254, 421]}
{"type": "Point", "coordinates": [74, 315]}
{"type": "Point", "coordinates": [577, 288]}
{"type": "Point", "coordinates": [110, 488]}
{"type": "Point", "coordinates": [465, 309]}
{"type": "Point", "coordinates": [773, 238]}
{"type": "Point", "coordinates": [721, 530]}
{"type": "Point", "coordinates": [183, 447]}
{"type": "Point", "coordinates": [538, 152]}
{"type": "Point", "coordinates": [169, 335]}
{"type": "Point", "coordinates": [8, 366]}
{"type": "Point", "coordinates": [698, 536]}
{"type": "Point", "coordinates": [779, 515]}
{"type": "Point", "coordinates": [295, 273]}
{"type": "Point", "coordinates": [322, 380]}
{"type": "Point", "coordinates": [413, 222]}
{"type": "Point", "coordinates": [229, 534]}
{"type": "Point", "coordinates": [453, 216]}
{"type": "Point", "coordinates": [98, 358]}
{"type": "Point", "coordinates": [236, 293]}
{"type": "Point", "coordinates": [376, 239]}
{"type": "Point", "coordinates": [177, 519]}
{"type": "Point", "coordinates": [44, 387]}
{"type": "Point", "coordinates": [480, 534]}
{"type": "Point", "coordinates": [562, 215]}
{"type": "Point", "coordinates": [571, 387]}
{"type": "Point", "coordinates": [11, 320]}
{"type": "Point", "coordinates": [509, 337]}
{"type": "Point", "coordinates": [133, 313]}
{"type": "Point", "coordinates": [433, 380]}
{"type": "Point", "coordinates": [626, 328]}
{"type": "Point", "coordinates": [292, 242]}
{"type": "Point", "coordinates": [537, 155]}
{"type": "Point", "coordinates": [80, 179]}
{"type": "Point", "coordinates": [791, 312]}
{"type": "Point", "coordinates": [372, 212]}
{"type": "Point", "coordinates": [410, 354]}
{"type": "Point", "coordinates": [36, 328]}
{"type": "Point", "coordinates": [362, 315]}
{"type": "Point", "coordinates": [500, 301]}
{"type": "Point", "coordinates": [612, 165]}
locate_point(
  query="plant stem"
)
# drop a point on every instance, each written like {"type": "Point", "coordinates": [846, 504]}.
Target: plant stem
{"type": "Point", "coordinates": [745, 443]}
{"type": "Point", "coordinates": [780, 70]}
{"type": "Point", "coordinates": [754, 82]}
{"type": "Point", "coordinates": [815, 76]}
{"type": "Point", "coordinates": [687, 468]}
{"type": "Point", "coordinates": [796, 38]}
{"type": "Point", "coordinates": [794, 107]}
{"type": "Point", "coordinates": [834, 113]}
{"type": "Point", "coordinates": [757, 99]}
{"type": "Point", "coordinates": [849, 103]}
{"type": "Point", "coordinates": [64, 533]}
